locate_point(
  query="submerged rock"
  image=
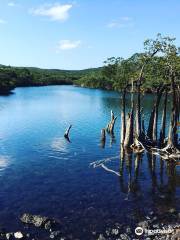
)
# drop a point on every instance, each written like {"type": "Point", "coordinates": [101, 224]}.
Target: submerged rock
{"type": "Point", "coordinates": [36, 220]}
{"type": "Point", "coordinates": [143, 224]}
{"type": "Point", "coordinates": [101, 237]}
{"type": "Point", "coordinates": [115, 231]}
{"type": "Point", "coordinates": [55, 234]}
{"type": "Point", "coordinates": [124, 236]}
{"type": "Point", "coordinates": [9, 236]}
{"type": "Point", "coordinates": [172, 210]}
{"type": "Point", "coordinates": [39, 221]}
{"type": "Point", "coordinates": [18, 235]}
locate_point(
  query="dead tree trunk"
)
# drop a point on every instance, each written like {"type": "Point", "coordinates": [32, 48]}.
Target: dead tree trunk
{"type": "Point", "coordinates": [128, 141]}
{"type": "Point", "coordinates": [103, 137]}
{"type": "Point", "coordinates": [123, 117]}
{"type": "Point", "coordinates": [66, 134]}
{"type": "Point", "coordinates": [159, 95]}
{"type": "Point", "coordinates": [137, 130]}
{"type": "Point", "coordinates": [163, 123]}
{"type": "Point", "coordinates": [152, 128]}
{"type": "Point", "coordinates": [110, 126]}
{"type": "Point", "coordinates": [172, 137]}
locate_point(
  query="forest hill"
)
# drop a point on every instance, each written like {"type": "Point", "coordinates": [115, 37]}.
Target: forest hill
{"type": "Point", "coordinates": [114, 75]}
{"type": "Point", "coordinates": [11, 77]}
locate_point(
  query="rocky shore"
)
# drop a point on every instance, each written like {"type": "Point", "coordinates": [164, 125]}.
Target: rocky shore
{"type": "Point", "coordinates": [155, 226]}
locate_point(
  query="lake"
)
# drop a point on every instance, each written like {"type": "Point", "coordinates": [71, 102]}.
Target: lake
{"type": "Point", "coordinates": [42, 173]}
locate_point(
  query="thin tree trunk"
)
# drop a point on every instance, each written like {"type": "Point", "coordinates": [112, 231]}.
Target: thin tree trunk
{"type": "Point", "coordinates": [123, 117]}
{"type": "Point", "coordinates": [128, 141]}
{"type": "Point", "coordinates": [110, 126]}
{"type": "Point", "coordinates": [163, 123]}
{"type": "Point", "coordinates": [152, 128]}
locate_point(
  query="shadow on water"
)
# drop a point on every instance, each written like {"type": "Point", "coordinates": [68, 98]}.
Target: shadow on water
{"type": "Point", "coordinates": [6, 93]}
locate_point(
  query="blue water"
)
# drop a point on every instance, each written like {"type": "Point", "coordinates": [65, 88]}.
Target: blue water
{"type": "Point", "coordinates": [43, 173]}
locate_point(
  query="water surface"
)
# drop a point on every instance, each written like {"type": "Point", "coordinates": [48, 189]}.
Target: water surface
{"type": "Point", "coordinates": [42, 173]}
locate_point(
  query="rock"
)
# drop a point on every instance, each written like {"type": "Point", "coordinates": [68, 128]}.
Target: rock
{"type": "Point", "coordinates": [143, 224]}
{"type": "Point", "coordinates": [118, 225]}
{"type": "Point", "coordinates": [48, 225]}
{"type": "Point", "coordinates": [155, 226]}
{"type": "Point", "coordinates": [108, 232]}
{"type": "Point", "coordinates": [128, 230]}
{"type": "Point", "coordinates": [36, 220]}
{"type": "Point", "coordinates": [124, 236]}
{"type": "Point", "coordinates": [39, 221]}
{"type": "Point", "coordinates": [115, 231]}
{"type": "Point", "coordinates": [55, 234]}
{"type": "Point", "coordinates": [9, 236]}
{"type": "Point", "coordinates": [101, 237]}
{"type": "Point", "coordinates": [18, 235]}
{"type": "Point", "coordinates": [172, 210]}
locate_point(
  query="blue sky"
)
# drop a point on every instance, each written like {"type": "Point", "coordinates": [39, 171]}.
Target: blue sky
{"type": "Point", "coordinates": [82, 33]}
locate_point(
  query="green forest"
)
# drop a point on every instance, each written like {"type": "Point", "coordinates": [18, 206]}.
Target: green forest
{"type": "Point", "coordinates": [161, 56]}
{"type": "Point", "coordinates": [11, 77]}
{"type": "Point", "coordinates": [115, 73]}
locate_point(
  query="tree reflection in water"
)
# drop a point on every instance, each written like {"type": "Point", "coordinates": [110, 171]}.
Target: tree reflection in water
{"type": "Point", "coordinates": [144, 176]}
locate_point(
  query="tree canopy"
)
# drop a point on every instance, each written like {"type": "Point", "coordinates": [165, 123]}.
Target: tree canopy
{"type": "Point", "coordinates": [156, 64]}
{"type": "Point", "coordinates": [160, 57]}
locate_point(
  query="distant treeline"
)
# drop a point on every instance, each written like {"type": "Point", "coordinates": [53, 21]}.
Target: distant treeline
{"type": "Point", "coordinates": [11, 77]}
{"type": "Point", "coordinates": [114, 75]}
{"type": "Point", "coordinates": [117, 72]}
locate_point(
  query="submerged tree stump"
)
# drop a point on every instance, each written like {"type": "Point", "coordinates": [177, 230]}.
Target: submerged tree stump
{"type": "Point", "coordinates": [110, 126]}
{"type": "Point", "coordinates": [103, 137]}
{"type": "Point", "coordinates": [66, 134]}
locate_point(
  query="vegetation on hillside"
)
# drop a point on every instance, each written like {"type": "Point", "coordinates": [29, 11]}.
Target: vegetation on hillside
{"type": "Point", "coordinates": [118, 72]}
{"type": "Point", "coordinates": [11, 77]}
{"type": "Point", "coordinates": [114, 75]}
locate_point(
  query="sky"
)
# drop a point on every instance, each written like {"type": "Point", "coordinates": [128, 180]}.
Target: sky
{"type": "Point", "coordinates": [81, 34]}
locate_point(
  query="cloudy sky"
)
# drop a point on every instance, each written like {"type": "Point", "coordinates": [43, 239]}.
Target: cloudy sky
{"type": "Point", "coordinates": [82, 33]}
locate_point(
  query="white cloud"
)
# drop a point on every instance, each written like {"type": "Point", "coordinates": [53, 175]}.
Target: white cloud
{"type": "Point", "coordinates": [56, 12]}
{"type": "Point", "coordinates": [113, 24]}
{"type": "Point", "coordinates": [2, 21]}
{"type": "Point", "coordinates": [121, 23]}
{"type": "Point", "coordinates": [68, 44]}
{"type": "Point", "coordinates": [11, 4]}
{"type": "Point", "coordinates": [126, 19]}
